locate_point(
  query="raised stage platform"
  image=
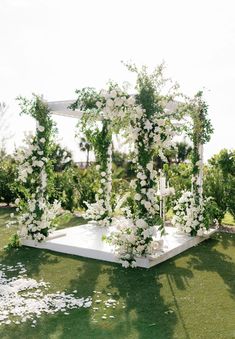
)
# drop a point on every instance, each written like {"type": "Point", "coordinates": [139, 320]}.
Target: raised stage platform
{"type": "Point", "coordinates": [86, 241]}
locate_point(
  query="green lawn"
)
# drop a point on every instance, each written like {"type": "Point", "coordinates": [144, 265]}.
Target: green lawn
{"type": "Point", "coordinates": [190, 296]}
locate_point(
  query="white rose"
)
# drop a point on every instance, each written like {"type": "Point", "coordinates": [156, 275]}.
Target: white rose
{"type": "Point", "coordinates": [131, 101]}
{"type": "Point", "coordinates": [42, 140]}
{"type": "Point", "coordinates": [103, 174]}
{"type": "Point", "coordinates": [200, 232]}
{"type": "Point", "coordinates": [147, 205]}
{"type": "Point", "coordinates": [161, 122]}
{"type": "Point", "coordinates": [40, 163]}
{"type": "Point", "coordinates": [118, 102]}
{"type": "Point", "coordinates": [109, 103]}
{"type": "Point", "coordinates": [141, 223]}
{"type": "Point", "coordinates": [113, 93]}
{"type": "Point", "coordinates": [143, 183]}
{"type": "Point", "coordinates": [148, 125]}
{"type": "Point", "coordinates": [41, 128]}
{"type": "Point", "coordinates": [138, 197]}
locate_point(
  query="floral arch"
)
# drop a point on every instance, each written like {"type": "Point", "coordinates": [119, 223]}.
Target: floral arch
{"type": "Point", "coordinates": [149, 126]}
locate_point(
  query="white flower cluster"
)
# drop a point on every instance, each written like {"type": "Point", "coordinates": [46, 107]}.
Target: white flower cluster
{"type": "Point", "coordinates": [148, 195]}
{"type": "Point", "coordinates": [35, 221]}
{"type": "Point", "coordinates": [135, 236]}
{"type": "Point", "coordinates": [30, 157]}
{"type": "Point", "coordinates": [132, 239]}
{"type": "Point", "coordinates": [114, 104]}
{"type": "Point", "coordinates": [101, 210]}
{"type": "Point", "coordinates": [24, 299]}
{"type": "Point", "coordinates": [188, 216]}
{"type": "Point", "coordinates": [156, 133]}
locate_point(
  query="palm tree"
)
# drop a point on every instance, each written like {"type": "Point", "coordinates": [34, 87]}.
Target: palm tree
{"type": "Point", "coordinates": [85, 146]}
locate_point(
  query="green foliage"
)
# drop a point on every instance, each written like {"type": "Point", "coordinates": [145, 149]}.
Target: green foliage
{"type": "Point", "coordinates": [74, 186]}
{"type": "Point", "coordinates": [61, 157]}
{"type": "Point", "coordinates": [88, 185]}
{"type": "Point", "coordinates": [65, 189]}
{"type": "Point", "coordinates": [7, 179]}
{"type": "Point", "coordinates": [144, 308]}
{"type": "Point", "coordinates": [179, 176]}
{"type": "Point", "coordinates": [123, 166]}
{"type": "Point", "coordinates": [39, 110]}
{"type": "Point", "coordinates": [219, 182]}
{"type": "Point", "coordinates": [14, 242]}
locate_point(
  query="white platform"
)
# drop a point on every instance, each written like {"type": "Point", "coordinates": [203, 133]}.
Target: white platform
{"type": "Point", "coordinates": [86, 241]}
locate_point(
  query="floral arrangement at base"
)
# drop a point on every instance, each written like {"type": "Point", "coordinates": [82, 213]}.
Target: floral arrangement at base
{"type": "Point", "coordinates": [37, 221]}
{"type": "Point", "coordinates": [132, 239]}
{"type": "Point", "coordinates": [189, 216]}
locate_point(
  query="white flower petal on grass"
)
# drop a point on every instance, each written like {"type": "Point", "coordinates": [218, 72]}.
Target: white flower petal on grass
{"type": "Point", "coordinates": [23, 298]}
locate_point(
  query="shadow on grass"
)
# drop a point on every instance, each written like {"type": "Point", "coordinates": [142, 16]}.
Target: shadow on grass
{"type": "Point", "coordinates": [141, 310]}
{"type": "Point", "coordinates": [147, 310]}
{"type": "Point", "coordinates": [33, 259]}
{"type": "Point", "coordinates": [222, 264]}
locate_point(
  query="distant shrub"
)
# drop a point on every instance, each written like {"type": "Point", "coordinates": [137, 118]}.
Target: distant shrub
{"type": "Point", "coordinates": [7, 179]}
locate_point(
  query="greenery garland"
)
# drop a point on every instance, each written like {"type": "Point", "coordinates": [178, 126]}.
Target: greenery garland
{"type": "Point", "coordinates": [151, 133]}
{"type": "Point", "coordinates": [191, 210]}
{"type": "Point", "coordinates": [35, 172]}
{"type": "Point", "coordinates": [104, 112]}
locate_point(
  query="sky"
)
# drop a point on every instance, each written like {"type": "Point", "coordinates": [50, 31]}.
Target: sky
{"type": "Point", "coordinates": [52, 47]}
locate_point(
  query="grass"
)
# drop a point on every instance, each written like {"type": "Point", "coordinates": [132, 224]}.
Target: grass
{"type": "Point", "coordinates": [191, 296]}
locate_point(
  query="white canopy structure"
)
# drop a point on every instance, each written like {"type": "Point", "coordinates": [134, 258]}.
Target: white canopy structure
{"type": "Point", "coordinates": [61, 108]}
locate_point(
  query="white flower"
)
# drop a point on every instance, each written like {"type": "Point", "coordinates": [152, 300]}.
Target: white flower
{"type": "Point", "coordinates": [113, 94]}
{"type": "Point", "coordinates": [138, 197]}
{"type": "Point", "coordinates": [131, 101]}
{"type": "Point", "coordinates": [17, 201]}
{"type": "Point", "coordinates": [109, 103]}
{"type": "Point", "coordinates": [118, 102]}
{"type": "Point", "coordinates": [143, 183]}
{"type": "Point", "coordinates": [42, 140]}
{"type": "Point", "coordinates": [41, 128]}
{"type": "Point", "coordinates": [141, 223]}
{"type": "Point", "coordinates": [150, 166]}
{"type": "Point", "coordinates": [147, 205]}
{"type": "Point", "coordinates": [40, 163]}
{"type": "Point", "coordinates": [125, 264]}
{"type": "Point", "coordinates": [161, 122]}
{"type": "Point", "coordinates": [148, 125]}
{"type": "Point", "coordinates": [103, 174]}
